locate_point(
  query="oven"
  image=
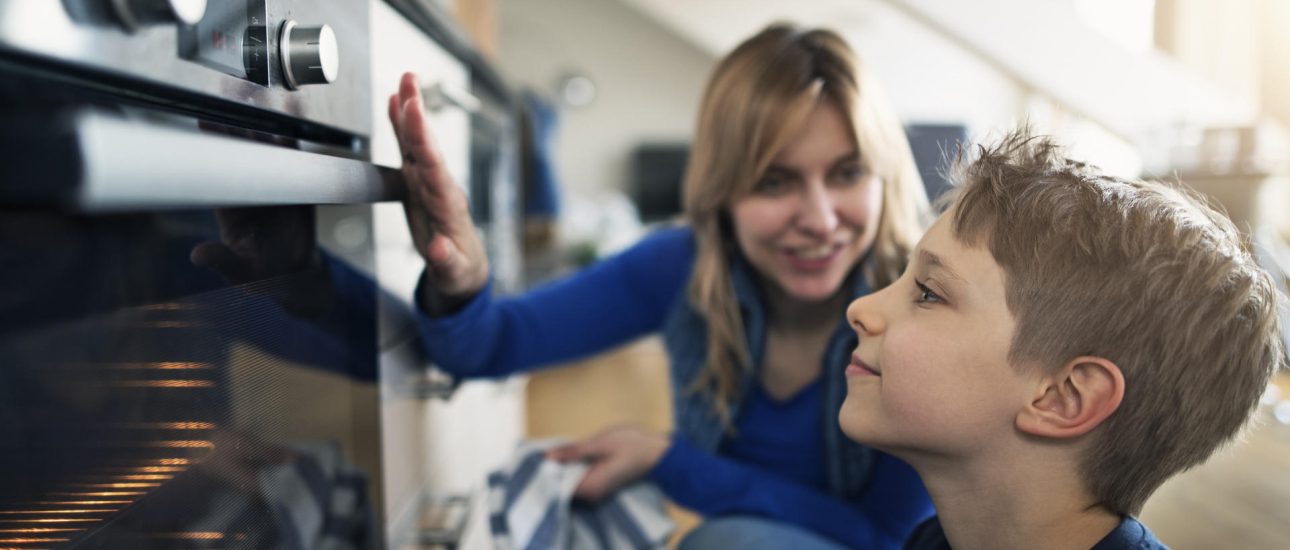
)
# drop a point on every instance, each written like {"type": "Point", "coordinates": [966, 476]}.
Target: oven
{"type": "Point", "coordinates": [200, 318]}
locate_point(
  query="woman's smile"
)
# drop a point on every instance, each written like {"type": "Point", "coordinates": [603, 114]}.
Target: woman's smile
{"type": "Point", "coordinates": [813, 258]}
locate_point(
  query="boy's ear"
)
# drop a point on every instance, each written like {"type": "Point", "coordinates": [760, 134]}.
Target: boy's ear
{"type": "Point", "coordinates": [1074, 400]}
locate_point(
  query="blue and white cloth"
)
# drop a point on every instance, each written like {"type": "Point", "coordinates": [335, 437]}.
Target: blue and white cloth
{"type": "Point", "coordinates": [531, 507]}
{"type": "Point", "coordinates": [318, 500]}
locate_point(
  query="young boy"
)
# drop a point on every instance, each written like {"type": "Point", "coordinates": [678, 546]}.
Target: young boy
{"type": "Point", "coordinates": [1061, 343]}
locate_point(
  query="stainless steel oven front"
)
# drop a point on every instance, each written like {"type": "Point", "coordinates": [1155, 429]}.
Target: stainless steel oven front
{"type": "Point", "coordinates": [188, 321]}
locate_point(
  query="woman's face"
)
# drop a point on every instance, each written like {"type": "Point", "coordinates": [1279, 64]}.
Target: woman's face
{"type": "Point", "coordinates": [814, 213]}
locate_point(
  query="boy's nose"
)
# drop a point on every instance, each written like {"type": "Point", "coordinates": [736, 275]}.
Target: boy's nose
{"type": "Point", "coordinates": [818, 214]}
{"type": "Point", "coordinates": [864, 317]}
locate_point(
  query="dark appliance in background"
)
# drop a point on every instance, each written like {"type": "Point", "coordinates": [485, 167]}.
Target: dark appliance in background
{"type": "Point", "coordinates": [188, 332]}
{"type": "Point", "coordinates": [658, 172]}
{"type": "Point", "coordinates": [658, 169]}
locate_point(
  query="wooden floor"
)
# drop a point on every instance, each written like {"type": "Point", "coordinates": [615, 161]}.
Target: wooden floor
{"type": "Point", "coordinates": [1239, 500]}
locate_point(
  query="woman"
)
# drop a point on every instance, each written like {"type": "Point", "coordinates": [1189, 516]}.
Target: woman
{"type": "Point", "coordinates": [801, 194]}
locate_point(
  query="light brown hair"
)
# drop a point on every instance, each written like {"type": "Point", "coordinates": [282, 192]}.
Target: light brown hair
{"type": "Point", "coordinates": [1143, 274]}
{"type": "Point", "coordinates": [757, 99]}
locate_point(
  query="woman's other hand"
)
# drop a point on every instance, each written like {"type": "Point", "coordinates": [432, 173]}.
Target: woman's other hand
{"type": "Point", "coordinates": [437, 209]}
{"type": "Point", "coordinates": [615, 457]}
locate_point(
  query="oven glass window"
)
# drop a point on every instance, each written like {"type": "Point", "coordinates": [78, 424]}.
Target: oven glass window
{"type": "Point", "coordinates": [187, 379]}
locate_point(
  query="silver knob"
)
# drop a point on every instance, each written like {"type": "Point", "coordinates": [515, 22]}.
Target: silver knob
{"type": "Point", "coordinates": [138, 13]}
{"type": "Point", "coordinates": [310, 55]}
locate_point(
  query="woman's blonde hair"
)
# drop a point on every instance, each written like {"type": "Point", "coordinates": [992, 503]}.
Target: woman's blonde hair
{"type": "Point", "coordinates": [757, 100]}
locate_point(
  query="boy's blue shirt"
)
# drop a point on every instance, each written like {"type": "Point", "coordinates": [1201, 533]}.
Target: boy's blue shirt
{"type": "Point", "coordinates": [1131, 534]}
{"type": "Point", "coordinates": [869, 499]}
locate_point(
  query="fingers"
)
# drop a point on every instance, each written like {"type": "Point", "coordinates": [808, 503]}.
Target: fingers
{"type": "Point", "coordinates": [571, 452]}
{"type": "Point", "coordinates": [598, 482]}
{"type": "Point", "coordinates": [444, 258]}
{"type": "Point", "coordinates": [412, 122]}
{"type": "Point", "coordinates": [593, 484]}
{"type": "Point", "coordinates": [221, 259]}
{"type": "Point", "coordinates": [561, 454]}
{"type": "Point", "coordinates": [393, 112]}
{"type": "Point", "coordinates": [409, 87]}
{"type": "Point", "coordinates": [415, 137]}
{"type": "Point", "coordinates": [611, 461]}
{"type": "Point", "coordinates": [407, 114]}
{"type": "Point", "coordinates": [422, 161]}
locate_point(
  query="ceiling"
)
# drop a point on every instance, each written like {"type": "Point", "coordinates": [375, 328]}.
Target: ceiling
{"type": "Point", "coordinates": [1041, 46]}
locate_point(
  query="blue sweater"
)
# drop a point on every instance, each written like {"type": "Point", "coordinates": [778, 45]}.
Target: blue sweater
{"type": "Point", "coordinates": [631, 295]}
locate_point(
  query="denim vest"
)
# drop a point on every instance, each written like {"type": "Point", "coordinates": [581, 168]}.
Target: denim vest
{"type": "Point", "coordinates": [685, 333]}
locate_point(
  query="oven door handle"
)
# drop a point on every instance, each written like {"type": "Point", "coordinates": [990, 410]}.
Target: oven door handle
{"type": "Point", "coordinates": [98, 162]}
{"type": "Point", "coordinates": [439, 96]}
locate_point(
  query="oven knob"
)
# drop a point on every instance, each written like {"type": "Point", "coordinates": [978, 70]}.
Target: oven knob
{"type": "Point", "coordinates": [310, 54]}
{"type": "Point", "coordinates": [138, 13]}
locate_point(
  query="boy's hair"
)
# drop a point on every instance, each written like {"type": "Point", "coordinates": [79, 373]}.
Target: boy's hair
{"type": "Point", "coordinates": [1143, 274]}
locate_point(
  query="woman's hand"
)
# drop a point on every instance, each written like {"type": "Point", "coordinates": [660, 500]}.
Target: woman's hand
{"type": "Point", "coordinates": [437, 210]}
{"type": "Point", "coordinates": [616, 457]}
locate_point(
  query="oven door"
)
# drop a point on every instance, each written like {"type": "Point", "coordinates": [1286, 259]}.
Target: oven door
{"type": "Point", "coordinates": [188, 336]}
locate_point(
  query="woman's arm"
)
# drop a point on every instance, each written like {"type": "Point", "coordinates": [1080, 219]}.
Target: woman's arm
{"type": "Point", "coordinates": [607, 303]}
{"type": "Point", "coordinates": [714, 486]}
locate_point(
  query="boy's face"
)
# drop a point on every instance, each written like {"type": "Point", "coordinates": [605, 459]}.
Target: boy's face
{"type": "Point", "coordinates": [931, 375]}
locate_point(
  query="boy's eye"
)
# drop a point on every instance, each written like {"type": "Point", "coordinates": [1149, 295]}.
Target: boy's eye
{"type": "Point", "coordinates": [926, 295]}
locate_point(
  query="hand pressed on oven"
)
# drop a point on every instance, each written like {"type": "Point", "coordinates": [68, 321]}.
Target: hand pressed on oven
{"type": "Point", "coordinates": [437, 210]}
{"type": "Point", "coordinates": [616, 457]}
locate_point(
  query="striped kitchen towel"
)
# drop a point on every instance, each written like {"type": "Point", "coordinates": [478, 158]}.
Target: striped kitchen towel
{"type": "Point", "coordinates": [531, 507]}
{"type": "Point", "coordinates": [318, 500]}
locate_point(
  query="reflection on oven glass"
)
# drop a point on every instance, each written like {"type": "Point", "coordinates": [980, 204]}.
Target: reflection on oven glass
{"type": "Point", "coordinates": [183, 380]}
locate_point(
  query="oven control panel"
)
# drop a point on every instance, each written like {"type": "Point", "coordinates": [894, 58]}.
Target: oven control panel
{"type": "Point", "coordinates": [301, 58]}
{"type": "Point", "coordinates": [232, 37]}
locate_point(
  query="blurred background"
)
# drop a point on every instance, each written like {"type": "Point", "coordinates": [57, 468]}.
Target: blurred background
{"type": "Point", "coordinates": [207, 282]}
{"type": "Point", "coordinates": [1157, 88]}
{"type": "Point", "coordinates": [1180, 89]}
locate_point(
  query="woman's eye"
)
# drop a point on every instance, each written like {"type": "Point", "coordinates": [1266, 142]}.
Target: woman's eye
{"type": "Point", "coordinates": [849, 174]}
{"type": "Point", "coordinates": [771, 185]}
{"type": "Point", "coordinates": [926, 295]}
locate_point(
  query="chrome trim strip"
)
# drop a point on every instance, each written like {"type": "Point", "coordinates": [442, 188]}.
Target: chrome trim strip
{"type": "Point", "coordinates": [130, 166]}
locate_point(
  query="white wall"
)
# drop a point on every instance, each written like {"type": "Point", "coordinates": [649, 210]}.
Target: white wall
{"type": "Point", "coordinates": [648, 81]}
{"type": "Point", "coordinates": [651, 58]}
{"type": "Point", "coordinates": [650, 70]}
{"type": "Point", "coordinates": [927, 77]}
